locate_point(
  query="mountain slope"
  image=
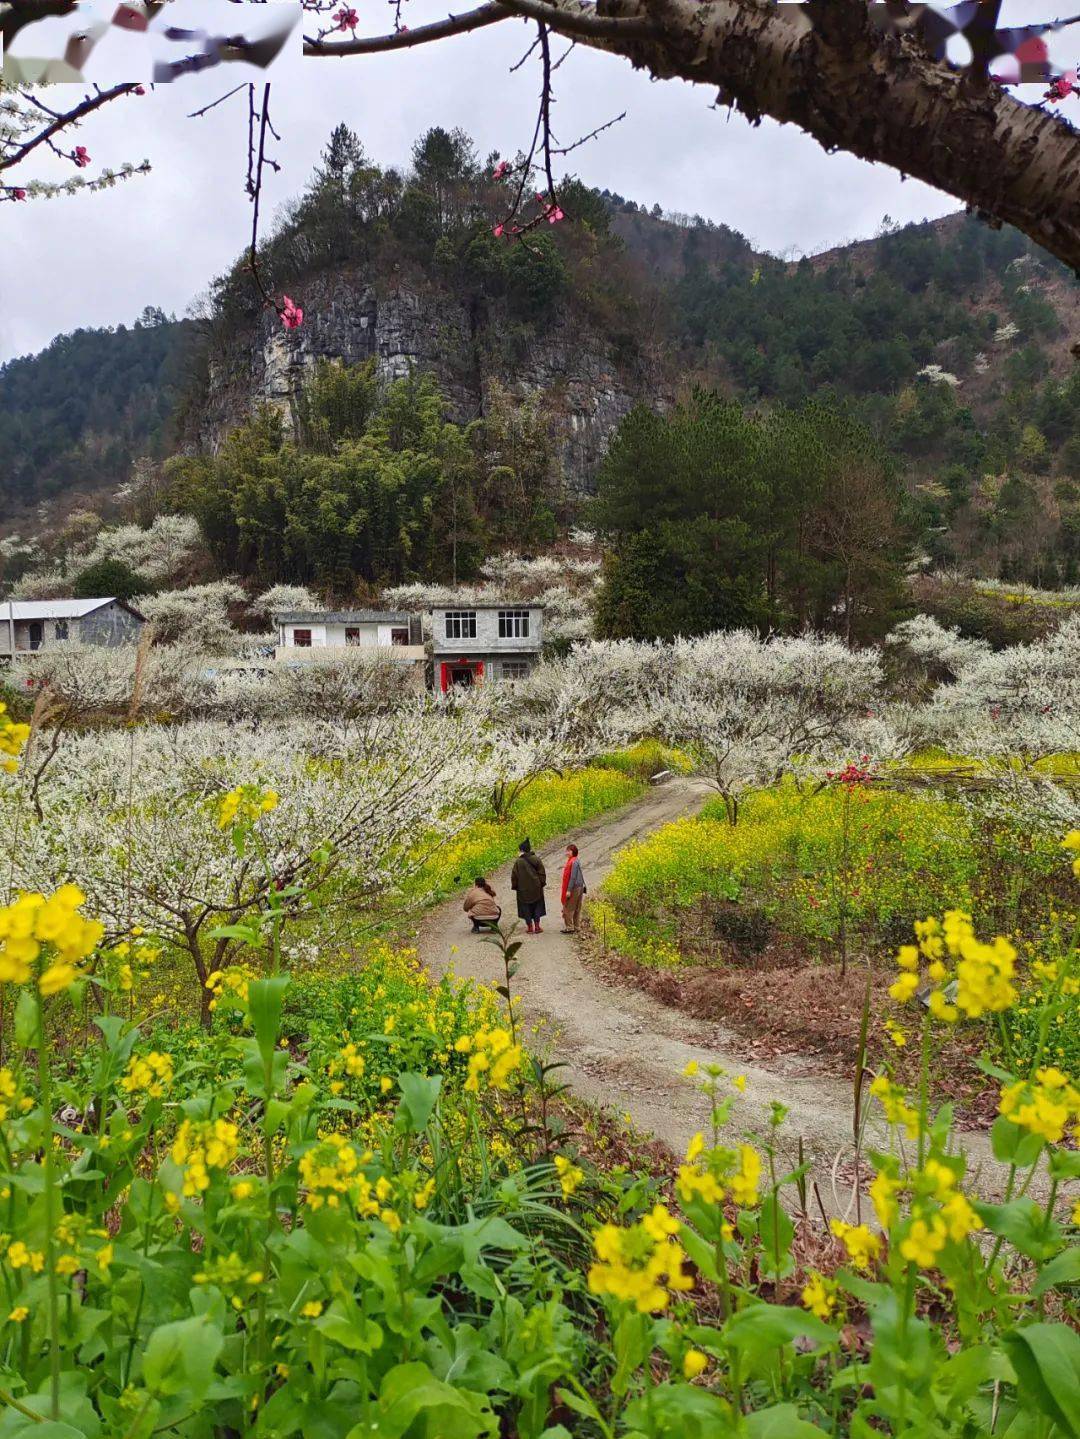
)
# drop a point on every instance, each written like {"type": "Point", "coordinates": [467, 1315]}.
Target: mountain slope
{"type": "Point", "coordinates": [950, 339]}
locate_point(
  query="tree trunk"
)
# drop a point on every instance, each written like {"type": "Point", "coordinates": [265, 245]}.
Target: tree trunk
{"type": "Point", "coordinates": [870, 92]}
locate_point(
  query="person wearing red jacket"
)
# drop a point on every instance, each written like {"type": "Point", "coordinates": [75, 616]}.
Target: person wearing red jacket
{"type": "Point", "coordinates": [573, 890]}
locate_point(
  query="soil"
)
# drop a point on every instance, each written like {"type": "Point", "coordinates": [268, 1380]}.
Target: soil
{"type": "Point", "coordinates": [795, 1007]}
{"type": "Point", "coordinates": [625, 1049]}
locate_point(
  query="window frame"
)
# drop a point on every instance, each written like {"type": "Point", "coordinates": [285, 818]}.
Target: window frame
{"type": "Point", "coordinates": [515, 624]}
{"type": "Point", "coordinates": [459, 624]}
{"type": "Point", "coordinates": [301, 644]}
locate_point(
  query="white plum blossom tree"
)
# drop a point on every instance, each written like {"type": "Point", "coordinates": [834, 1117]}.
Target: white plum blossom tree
{"type": "Point", "coordinates": [134, 816]}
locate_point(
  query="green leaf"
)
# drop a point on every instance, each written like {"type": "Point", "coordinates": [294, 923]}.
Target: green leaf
{"type": "Point", "coordinates": [26, 1020]}
{"type": "Point", "coordinates": [361, 1335]}
{"type": "Point", "coordinates": [411, 1390]}
{"type": "Point", "coordinates": [265, 997]}
{"type": "Point", "coordinates": [701, 1252]}
{"type": "Point", "coordinates": [759, 1327]}
{"type": "Point", "coordinates": [1013, 1145]}
{"type": "Point", "coordinates": [1046, 1358]}
{"type": "Point", "coordinates": [780, 1422]}
{"type": "Point", "coordinates": [180, 1357]}
{"type": "Point", "coordinates": [1024, 1225]}
{"type": "Point", "coordinates": [418, 1095]}
{"type": "Point", "coordinates": [1065, 1269]}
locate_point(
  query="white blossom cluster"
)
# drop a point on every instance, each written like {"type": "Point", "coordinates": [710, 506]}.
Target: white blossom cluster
{"type": "Point", "coordinates": [132, 814]}
{"type": "Point", "coordinates": [156, 554]}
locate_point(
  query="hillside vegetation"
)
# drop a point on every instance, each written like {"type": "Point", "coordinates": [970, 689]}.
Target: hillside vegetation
{"type": "Point", "coordinates": [948, 340]}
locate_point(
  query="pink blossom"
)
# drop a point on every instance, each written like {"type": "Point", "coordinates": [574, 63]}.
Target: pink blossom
{"type": "Point", "coordinates": [139, 90]}
{"type": "Point", "coordinates": [347, 19]}
{"type": "Point", "coordinates": [81, 157]}
{"type": "Point", "coordinates": [554, 215]}
{"type": "Point", "coordinates": [500, 170]}
{"type": "Point", "coordinates": [497, 231]}
{"type": "Point", "coordinates": [1062, 87]}
{"type": "Point", "coordinates": [18, 194]}
{"type": "Point", "coordinates": [292, 317]}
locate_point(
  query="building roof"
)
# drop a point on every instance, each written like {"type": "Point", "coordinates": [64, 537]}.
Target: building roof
{"type": "Point", "coordinates": [488, 605]}
{"type": "Point", "coordinates": [57, 609]}
{"type": "Point", "coordinates": [340, 617]}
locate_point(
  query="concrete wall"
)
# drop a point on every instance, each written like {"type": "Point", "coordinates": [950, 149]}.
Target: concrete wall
{"type": "Point", "coordinates": [332, 636]}
{"type": "Point", "coordinates": [112, 625]}
{"type": "Point", "coordinates": [487, 639]}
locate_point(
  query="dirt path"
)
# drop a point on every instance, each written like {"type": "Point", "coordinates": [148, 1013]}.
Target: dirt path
{"type": "Point", "coordinates": [626, 1050]}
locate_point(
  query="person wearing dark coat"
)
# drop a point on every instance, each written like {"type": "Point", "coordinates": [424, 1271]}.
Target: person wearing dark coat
{"type": "Point", "coordinates": [527, 880]}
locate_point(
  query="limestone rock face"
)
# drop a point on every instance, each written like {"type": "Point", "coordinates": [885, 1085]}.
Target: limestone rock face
{"type": "Point", "coordinates": [587, 382]}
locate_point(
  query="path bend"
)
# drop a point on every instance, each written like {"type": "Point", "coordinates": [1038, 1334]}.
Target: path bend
{"type": "Point", "coordinates": [626, 1050]}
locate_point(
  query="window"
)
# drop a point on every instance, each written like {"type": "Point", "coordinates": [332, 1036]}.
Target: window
{"type": "Point", "coordinates": [302, 639]}
{"type": "Point", "coordinates": [460, 624]}
{"type": "Point", "coordinates": [399, 636]}
{"type": "Point", "coordinates": [515, 670]}
{"type": "Point", "coordinates": [61, 629]}
{"type": "Point", "coordinates": [513, 624]}
{"type": "Point", "coordinates": [352, 634]}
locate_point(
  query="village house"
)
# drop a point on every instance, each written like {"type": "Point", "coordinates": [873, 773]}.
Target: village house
{"type": "Point", "coordinates": [485, 641]}
{"type": "Point", "coordinates": [30, 625]}
{"type": "Point", "coordinates": [308, 634]}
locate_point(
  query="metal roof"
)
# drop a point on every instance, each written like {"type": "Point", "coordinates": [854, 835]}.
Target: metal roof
{"type": "Point", "coordinates": [340, 617]}
{"type": "Point", "coordinates": [487, 605]}
{"type": "Point", "coordinates": [54, 609]}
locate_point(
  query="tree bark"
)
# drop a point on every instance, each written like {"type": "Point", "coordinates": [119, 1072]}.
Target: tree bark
{"type": "Point", "coordinates": [877, 95]}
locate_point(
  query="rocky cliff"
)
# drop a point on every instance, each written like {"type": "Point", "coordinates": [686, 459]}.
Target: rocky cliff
{"type": "Point", "coordinates": [586, 380]}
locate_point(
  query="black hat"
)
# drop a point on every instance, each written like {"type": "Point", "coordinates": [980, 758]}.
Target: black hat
{"type": "Point", "coordinates": [525, 846]}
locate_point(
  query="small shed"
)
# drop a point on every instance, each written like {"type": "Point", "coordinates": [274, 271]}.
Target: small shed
{"type": "Point", "coordinates": [30, 625]}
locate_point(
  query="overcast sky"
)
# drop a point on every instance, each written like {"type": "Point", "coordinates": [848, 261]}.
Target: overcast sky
{"type": "Point", "coordinates": [158, 239]}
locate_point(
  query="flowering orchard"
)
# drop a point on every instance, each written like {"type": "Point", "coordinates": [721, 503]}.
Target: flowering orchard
{"type": "Point", "coordinates": [344, 1198]}
{"type": "Point", "coordinates": [343, 1206]}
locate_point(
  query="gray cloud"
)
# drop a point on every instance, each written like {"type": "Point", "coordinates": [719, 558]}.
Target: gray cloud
{"type": "Point", "coordinates": [98, 259]}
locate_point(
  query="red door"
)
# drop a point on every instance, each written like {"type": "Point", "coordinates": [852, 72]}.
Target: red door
{"type": "Point", "coordinates": [460, 672]}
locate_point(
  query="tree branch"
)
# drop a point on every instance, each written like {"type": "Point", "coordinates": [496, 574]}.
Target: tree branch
{"type": "Point", "coordinates": [489, 14]}
{"type": "Point", "coordinates": [69, 117]}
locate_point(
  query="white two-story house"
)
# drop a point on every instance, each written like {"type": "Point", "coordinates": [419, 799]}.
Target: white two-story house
{"type": "Point", "coordinates": [308, 634]}
{"type": "Point", "coordinates": [485, 641]}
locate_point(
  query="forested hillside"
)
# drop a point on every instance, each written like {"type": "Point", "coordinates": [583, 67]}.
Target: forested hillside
{"type": "Point", "coordinates": [75, 416]}
{"type": "Point", "coordinates": [949, 341]}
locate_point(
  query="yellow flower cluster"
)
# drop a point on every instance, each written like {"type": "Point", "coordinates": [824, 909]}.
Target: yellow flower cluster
{"type": "Point", "coordinates": [233, 1275]}
{"type": "Point", "coordinates": [9, 1088]}
{"type": "Point", "coordinates": [21, 1257]}
{"type": "Point", "coordinates": [731, 1173]}
{"type": "Point", "coordinates": [571, 1176]}
{"type": "Point", "coordinates": [1044, 1105]}
{"type": "Point", "coordinates": [939, 1212]}
{"type": "Point", "coordinates": [202, 1146]}
{"type": "Point", "coordinates": [348, 1061]}
{"type": "Point", "coordinates": [820, 1295]}
{"type": "Point", "coordinates": [893, 1101]}
{"type": "Point", "coordinates": [862, 1244]}
{"type": "Point", "coordinates": [980, 981]}
{"type": "Point", "coordinates": [148, 1074]}
{"type": "Point", "coordinates": [13, 739]}
{"type": "Point", "coordinates": [33, 922]}
{"type": "Point", "coordinates": [1072, 842]}
{"type": "Point", "coordinates": [328, 1170]}
{"type": "Point", "coordinates": [245, 804]}
{"type": "Point", "coordinates": [493, 1058]}
{"type": "Point", "coordinates": [230, 985]}
{"type": "Point", "coordinates": [642, 1264]}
